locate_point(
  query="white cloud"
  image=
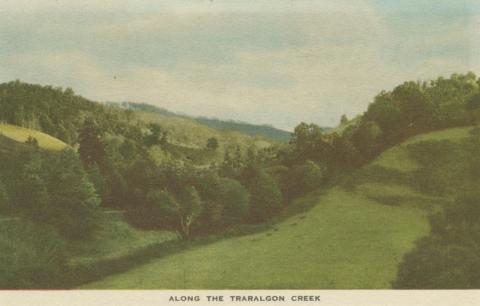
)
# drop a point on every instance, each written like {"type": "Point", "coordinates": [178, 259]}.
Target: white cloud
{"type": "Point", "coordinates": [266, 62]}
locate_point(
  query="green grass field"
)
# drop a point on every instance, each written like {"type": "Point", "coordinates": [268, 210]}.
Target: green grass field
{"type": "Point", "coordinates": [397, 157]}
{"type": "Point", "coordinates": [21, 134]}
{"type": "Point", "coordinates": [345, 241]}
{"type": "Point", "coordinates": [114, 239]}
{"type": "Point", "coordinates": [352, 238]}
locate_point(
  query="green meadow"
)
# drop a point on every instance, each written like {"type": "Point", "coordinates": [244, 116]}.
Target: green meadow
{"type": "Point", "coordinates": [345, 241]}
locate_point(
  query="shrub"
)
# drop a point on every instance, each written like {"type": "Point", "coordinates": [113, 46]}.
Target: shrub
{"type": "Point", "coordinates": [235, 200]}
{"type": "Point", "coordinates": [54, 189]}
{"type": "Point", "coordinates": [304, 178]}
{"type": "Point", "coordinates": [266, 197]}
{"type": "Point", "coordinates": [5, 206]}
{"type": "Point", "coordinates": [449, 258]}
{"type": "Point", "coordinates": [32, 256]}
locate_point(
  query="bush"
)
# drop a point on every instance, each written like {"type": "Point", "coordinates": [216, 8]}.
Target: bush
{"type": "Point", "coordinates": [303, 178]}
{"type": "Point", "coordinates": [235, 199]}
{"type": "Point", "coordinates": [266, 198]}
{"type": "Point", "coordinates": [73, 198]}
{"type": "Point", "coordinates": [5, 205]}
{"type": "Point", "coordinates": [55, 190]}
{"type": "Point", "coordinates": [449, 258]}
{"type": "Point", "coordinates": [32, 256]}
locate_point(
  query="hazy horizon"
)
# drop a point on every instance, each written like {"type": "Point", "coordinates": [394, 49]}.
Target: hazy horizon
{"type": "Point", "coordinates": [265, 62]}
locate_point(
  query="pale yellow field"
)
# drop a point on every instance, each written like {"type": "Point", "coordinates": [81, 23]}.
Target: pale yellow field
{"type": "Point", "coordinates": [21, 134]}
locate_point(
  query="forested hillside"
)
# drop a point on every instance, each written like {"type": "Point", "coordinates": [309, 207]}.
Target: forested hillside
{"type": "Point", "coordinates": [175, 175]}
{"type": "Point", "coordinates": [266, 131]}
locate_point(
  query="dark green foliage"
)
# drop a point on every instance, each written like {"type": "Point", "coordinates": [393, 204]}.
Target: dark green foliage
{"type": "Point", "coordinates": [5, 205]}
{"type": "Point", "coordinates": [32, 141]}
{"type": "Point", "coordinates": [474, 102]}
{"type": "Point", "coordinates": [55, 190]}
{"type": "Point", "coordinates": [226, 203]}
{"type": "Point", "coordinates": [98, 181]}
{"type": "Point", "coordinates": [212, 143]}
{"type": "Point", "coordinates": [235, 199]}
{"type": "Point", "coordinates": [368, 139]}
{"type": "Point", "coordinates": [233, 163]}
{"type": "Point", "coordinates": [157, 135]}
{"type": "Point", "coordinates": [309, 143]}
{"type": "Point", "coordinates": [33, 255]}
{"type": "Point", "coordinates": [72, 196]}
{"type": "Point", "coordinates": [303, 178]}
{"type": "Point", "coordinates": [185, 209]}
{"type": "Point", "coordinates": [446, 168]}
{"type": "Point", "coordinates": [52, 110]}
{"type": "Point", "coordinates": [449, 258]}
{"type": "Point", "coordinates": [345, 155]}
{"type": "Point", "coordinates": [91, 149]}
{"type": "Point", "coordinates": [30, 193]}
{"type": "Point", "coordinates": [266, 197]}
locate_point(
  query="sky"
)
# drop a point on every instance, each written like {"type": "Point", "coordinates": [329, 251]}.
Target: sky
{"type": "Point", "coordinates": [267, 62]}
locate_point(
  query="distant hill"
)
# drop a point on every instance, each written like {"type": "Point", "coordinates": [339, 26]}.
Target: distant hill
{"type": "Point", "coordinates": [267, 131]}
{"type": "Point", "coordinates": [54, 116]}
{"type": "Point", "coordinates": [247, 128]}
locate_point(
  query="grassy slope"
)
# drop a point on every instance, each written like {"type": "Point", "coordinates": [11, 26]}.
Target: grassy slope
{"type": "Point", "coordinates": [345, 241]}
{"type": "Point", "coordinates": [190, 138]}
{"type": "Point", "coordinates": [397, 157]}
{"type": "Point", "coordinates": [352, 238]}
{"type": "Point", "coordinates": [114, 239]}
{"type": "Point", "coordinates": [21, 134]}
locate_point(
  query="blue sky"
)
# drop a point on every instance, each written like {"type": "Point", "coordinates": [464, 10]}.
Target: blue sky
{"type": "Point", "coordinates": [277, 62]}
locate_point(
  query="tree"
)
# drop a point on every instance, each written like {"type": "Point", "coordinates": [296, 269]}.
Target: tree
{"type": "Point", "coordinates": [212, 143]}
{"type": "Point", "coordinates": [449, 257]}
{"type": "Point", "coordinates": [415, 109]}
{"type": "Point", "coordinates": [157, 136]}
{"type": "Point", "coordinates": [343, 120]}
{"type": "Point", "coordinates": [235, 201]}
{"type": "Point", "coordinates": [33, 255]}
{"type": "Point", "coordinates": [72, 197]}
{"type": "Point", "coordinates": [32, 141]}
{"type": "Point", "coordinates": [31, 193]}
{"type": "Point", "coordinates": [308, 142]}
{"type": "Point", "coordinates": [186, 208]}
{"type": "Point", "coordinates": [367, 138]}
{"type": "Point", "coordinates": [345, 153]}
{"type": "Point", "coordinates": [233, 163]}
{"type": "Point", "coordinates": [387, 115]}
{"type": "Point", "coordinates": [266, 197]}
{"type": "Point", "coordinates": [304, 178]}
{"type": "Point", "coordinates": [4, 199]}
{"type": "Point", "coordinates": [92, 149]}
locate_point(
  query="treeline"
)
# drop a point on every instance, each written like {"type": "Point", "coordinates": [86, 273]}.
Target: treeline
{"type": "Point", "coordinates": [409, 109]}
{"type": "Point", "coordinates": [58, 112]}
